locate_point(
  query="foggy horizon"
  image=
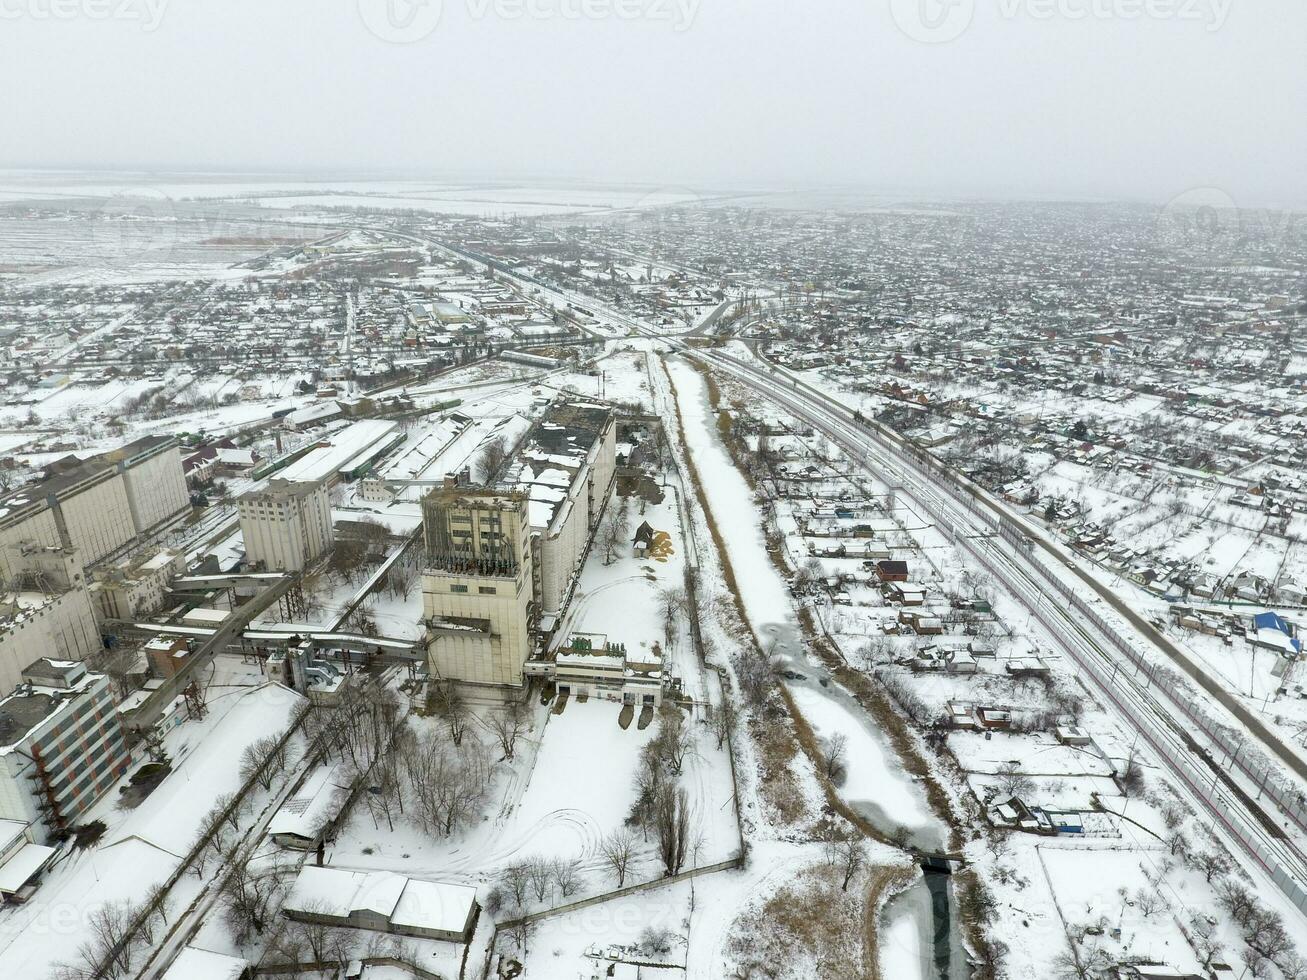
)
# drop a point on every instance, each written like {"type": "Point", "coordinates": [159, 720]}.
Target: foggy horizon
{"type": "Point", "coordinates": [1033, 99]}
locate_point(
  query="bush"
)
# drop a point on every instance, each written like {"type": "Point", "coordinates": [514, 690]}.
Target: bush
{"type": "Point", "coordinates": [88, 834]}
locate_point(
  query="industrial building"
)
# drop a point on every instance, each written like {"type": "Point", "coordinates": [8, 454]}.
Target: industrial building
{"type": "Point", "coordinates": [566, 467]}
{"type": "Point", "coordinates": [286, 525]}
{"type": "Point", "coordinates": [590, 666]}
{"type": "Point", "coordinates": [346, 454]}
{"type": "Point", "coordinates": [45, 609]}
{"type": "Point", "coordinates": [502, 562]}
{"type": "Point", "coordinates": [135, 588]}
{"type": "Point", "coordinates": [61, 746]}
{"type": "Point", "coordinates": [99, 505]}
{"type": "Point", "coordinates": [477, 584]}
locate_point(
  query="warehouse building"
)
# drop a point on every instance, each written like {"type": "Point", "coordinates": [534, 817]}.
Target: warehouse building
{"type": "Point", "coordinates": [383, 902]}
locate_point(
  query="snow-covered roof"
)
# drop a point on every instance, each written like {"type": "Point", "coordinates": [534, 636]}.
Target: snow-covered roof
{"type": "Point", "coordinates": [19, 868]}
{"type": "Point", "coordinates": [305, 814]}
{"type": "Point", "coordinates": [404, 901]}
{"type": "Point", "coordinates": [434, 905]}
{"type": "Point", "coordinates": [200, 964]}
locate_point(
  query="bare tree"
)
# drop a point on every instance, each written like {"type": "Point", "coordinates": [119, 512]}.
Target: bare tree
{"type": "Point", "coordinates": [108, 951]}
{"type": "Point", "coordinates": [540, 874]}
{"type": "Point", "coordinates": [250, 900]}
{"type": "Point", "coordinates": [1292, 966]}
{"type": "Point", "coordinates": [158, 901]}
{"type": "Point", "coordinates": [612, 533]}
{"type": "Point", "coordinates": [1081, 963]}
{"type": "Point", "coordinates": [509, 725]}
{"type": "Point", "coordinates": [231, 806]}
{"type": "Point", "coordinates": [447, 784]}
{"type": "Point", "coordinates": [493, 456]}
{"type": "Point", "coordinates": [755, 677]}
{"type": "Point", "coordinates": [1207, 942]}
{"type": "Point", "coordinates": [263, 760]}
{"type": "Point", "coordinates": [672, 820]}
{"type": "Point", "coordinates": [618, 850]}
{"type": "Point", "coordinates": [848, 855]}
{"type": "Point", "coordinates": [721, 720]}
{"type": "Point", "coordinates": [516, 877]}
{"type": "Point", "coordinates": [450, 704]}
{"type": "Point", "coordinates": [1148, 902]}
{"type": "Point", "coordinates": [673, 743]}
{"type": "Point", "coordinates": [1012, 782]}
{"type": "Point", "coordinates": [567, 875]}
{"type": "Point", "coordinates": [1211, 863]}
{"type": "Point", "coordinates": [401, 578]}
{"type": "Point", "coordinates": [672, 604]}
{"type": "Point", "coordinates": [836, 753]}
{"type": "Point", "coordinates": [1264, 931]}
{"type": "Point", "coordinates": [520, 930]}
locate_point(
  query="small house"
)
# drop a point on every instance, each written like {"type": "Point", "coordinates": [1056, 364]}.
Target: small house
{"type": "Point", "coordinates": [906, 593]}
{"type": "Point", "coordinates": [890, 570]}
{"type": "Point", "coordinates": [1071, 735]}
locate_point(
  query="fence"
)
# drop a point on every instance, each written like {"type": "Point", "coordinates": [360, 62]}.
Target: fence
{"type": "Point", "coordinates": [585, 903]}
{"type": "Point", "coordinates": [237, 802]}
{"type": "Point", "coordinates": [330, 966]}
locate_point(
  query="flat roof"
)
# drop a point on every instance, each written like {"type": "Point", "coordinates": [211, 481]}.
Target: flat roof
{"type": "Point", "coordinates": [434, 905]}
{"type": "Point", "coordinates": [19, 869]}
{"type": "Point", "coordinates": [201, 964]}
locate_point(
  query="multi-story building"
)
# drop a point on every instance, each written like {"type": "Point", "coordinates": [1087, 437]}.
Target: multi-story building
{"type": "Point", "coordinates": [477, 584]}
{"type": "Point", "coordinates": [286, 526]}
{"type": "Point", "coordinates": [45, 610]}
{"type": "Point", "coordinates": [566, 466]}
{"type": "Point", "coordinates": [99, 505]}
{"type": "Point", "coordinates": [502, 562]}
{"type": "Point", "coordinates": [135, 588]}
{"type": "Point", "coordinates": [61, 746]}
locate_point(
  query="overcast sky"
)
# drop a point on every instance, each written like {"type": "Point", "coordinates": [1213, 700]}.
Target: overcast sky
{"type": "Point", "coordinates": [1032, 97]}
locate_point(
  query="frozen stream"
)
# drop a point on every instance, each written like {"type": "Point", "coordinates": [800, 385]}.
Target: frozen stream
{"type": "Point", "coordinates": [877, 787]}
{"type": "Point", "coordinates": [917, 938]}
